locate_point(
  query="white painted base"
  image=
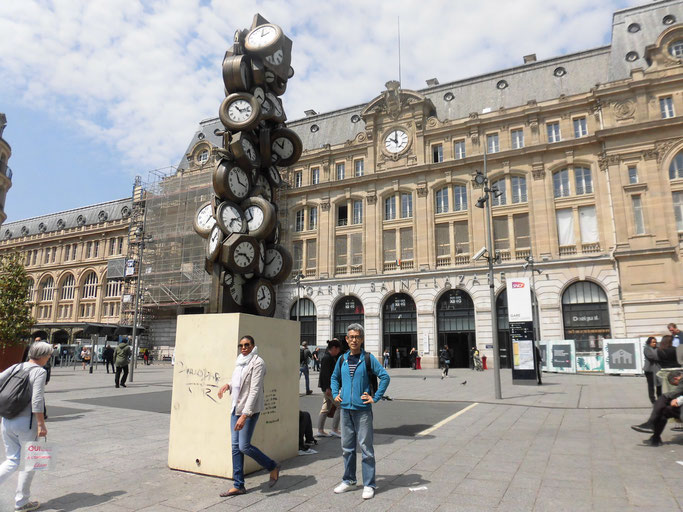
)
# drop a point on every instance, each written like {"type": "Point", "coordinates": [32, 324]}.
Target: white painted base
{"type": "Point", "coordinates": [206, 350]}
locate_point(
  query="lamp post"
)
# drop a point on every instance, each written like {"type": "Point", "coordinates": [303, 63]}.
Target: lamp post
{"type": "Point", "coordinates": [297, 279]}
{"type": "Point", "coordinates": [140, 232]}
{"type": "Point", "coordinates": [485, 203]}
{"type": "Point", "coordinates": [534, 309]}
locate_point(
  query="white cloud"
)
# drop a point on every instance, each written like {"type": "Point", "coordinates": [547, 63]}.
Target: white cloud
{"type": "Point", "coordinates": [139, 76]}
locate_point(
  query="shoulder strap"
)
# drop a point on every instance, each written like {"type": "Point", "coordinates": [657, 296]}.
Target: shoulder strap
{"type": "Point", "coordinates": [368, 364]}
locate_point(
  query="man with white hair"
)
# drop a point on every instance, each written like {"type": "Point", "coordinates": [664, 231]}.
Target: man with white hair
{"type": "Point", "coordinates": [23, 417]}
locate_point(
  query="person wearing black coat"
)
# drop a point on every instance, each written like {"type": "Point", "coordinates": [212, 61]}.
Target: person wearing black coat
{"type": "Point", "coordinates": [108, 357]}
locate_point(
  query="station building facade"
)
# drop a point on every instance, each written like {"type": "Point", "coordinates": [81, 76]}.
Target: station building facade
{"type": "Point", "coordinates": [76, 262]}
{"type": "Point", "coordinates": [586, 152]}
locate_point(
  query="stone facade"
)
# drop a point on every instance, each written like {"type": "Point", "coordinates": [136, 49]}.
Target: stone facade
{"type": "Point", "coordinates": [76, 261]}
{"type": "Point", "coordinates": [587, 153]}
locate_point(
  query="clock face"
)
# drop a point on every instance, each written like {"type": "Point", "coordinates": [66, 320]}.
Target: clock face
{"type": "Point", "coordinates": [264, 297]}
{"type": "Point", "coordinates": [270, 77]}
{"type": "Point", "coordinates": [283, 147]}
{"type": "Point", "coordinates": [259, 94]}
{"type": "Point", "coordinates": [278, 111]}
{"type": "Point", "coordinates": [396, 141]}
{"type": "Point", "coordinates": [231, 218]}
{"type": "Point", "coordinates": [274, 175]}
{"type": "Point", "coordinates": [238, 180]}
{"type": "Point", "coordinates": [262, 258]}
{"type": "Point", "coordinates": [205, 217]}
{"type": "Point", "coordinates": [249, 150]}
{"type": "Point", "coordinates": [236, 293]}
{"type": "Point", "coordinates": [214, 239]}
{"type": "Point", "coordinates": [254, 216]}
{"type": "Point", "coordinates": [240, 110]}
{"type": "Point", "coordinates": [262, 36]}
{"type": "Point", "coordinates": [274, 263]}
{"type": "Point", "coordinates": [244, 254]}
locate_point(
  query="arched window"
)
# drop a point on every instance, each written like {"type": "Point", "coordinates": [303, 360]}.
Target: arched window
{"type": "Point", "coordinates": [90, 286]}
{"type": "Point", "coordinates": [442, 200]}
{"type": "Point", "coordinates": [586, 315]}
{"type": "Point", "coordinates": [47, 289]}
{"type": "Point", "coordinates": [561, 183]}
{"type": "Point", "coordinates": [304, 311]}
{"type": "Point", "coordinates": [459, 198]}
{"type": "Point", "coordinates": [676, 167]}
{"type": "Point", "coordinates": [114, 287]}
{"type": "Point", "coordinates": [347, 311]}
{"type": "Point", "coordinates": [68, 287]}
{"type": "Point", "coordinates": [499, 197]}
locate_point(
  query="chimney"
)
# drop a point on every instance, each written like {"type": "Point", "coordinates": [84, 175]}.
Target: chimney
{"type": "Point", "coordinates": [432, 81]}
{"type": "Point", "coordinates": [529, 58]}
{"type": "Point", "coordinates": [310, 112]}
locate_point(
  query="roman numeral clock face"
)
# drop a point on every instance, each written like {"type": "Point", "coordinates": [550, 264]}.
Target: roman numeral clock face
{"type": "Point", "coordinates": [396, 141]}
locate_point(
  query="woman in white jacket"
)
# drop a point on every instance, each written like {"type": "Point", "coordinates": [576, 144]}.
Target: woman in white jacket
{"type": "Point", "coordinates": [246, 390]}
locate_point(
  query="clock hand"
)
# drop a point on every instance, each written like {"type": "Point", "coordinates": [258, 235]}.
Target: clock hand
{"type": "Point", "coordinates": [271, 261]}
{"type": "Point", "coordinates": [239, 181]}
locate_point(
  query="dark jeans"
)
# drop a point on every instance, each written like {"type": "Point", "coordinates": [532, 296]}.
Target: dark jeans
{"type": "Point", "coordinates": [241, 446]}
{"type": "Point", "coordinates": [305, 430]}
{"type": "Point", "coordinates": [304, 369]}
{"type": "Point", "coordinates": [120, 369]}
{"type": "Point", "coordinates": [651, 385]}
{"type": "Point", "coordinates": [113, 368]}
{"type": "Point", "coordinates": [446, 365]}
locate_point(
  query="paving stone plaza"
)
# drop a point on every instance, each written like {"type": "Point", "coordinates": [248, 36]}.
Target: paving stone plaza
{"type": "Point", "coordinates": [565, 445]}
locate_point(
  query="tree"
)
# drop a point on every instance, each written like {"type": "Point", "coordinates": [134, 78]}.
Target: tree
{"type": "Point", "coordinates": [15, 313]}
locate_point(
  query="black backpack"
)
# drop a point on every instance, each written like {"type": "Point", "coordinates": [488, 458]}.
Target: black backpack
{"type": "Point", "coordinates": [15, 392]}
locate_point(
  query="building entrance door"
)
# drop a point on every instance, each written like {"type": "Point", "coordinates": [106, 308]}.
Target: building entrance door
{"type": "Point", "coordinates": [400, 328]}
{"type": "Point", "coordinates": [455, 326]}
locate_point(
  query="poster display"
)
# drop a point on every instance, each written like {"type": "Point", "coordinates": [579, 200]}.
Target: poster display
{"type": "Point", "coordinates": [561, 356]}
{"type": "Point", "coordinates": [519, 300]}
{"type": "Point", "coordinates": [623, 356]}
{"type": "Point", "coordinates": [523, 351]}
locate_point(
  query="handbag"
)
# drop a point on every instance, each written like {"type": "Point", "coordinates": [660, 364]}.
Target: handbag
{"type": "Point", "coordinates": [332, 411]}
{"type": "Point", "coordinates": [36, 456]}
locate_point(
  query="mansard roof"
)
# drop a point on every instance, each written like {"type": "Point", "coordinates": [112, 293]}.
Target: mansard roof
{"type": "Point", "coordinates": [84, 216]}
{"type": "Point", "coordinates": [543, 80]}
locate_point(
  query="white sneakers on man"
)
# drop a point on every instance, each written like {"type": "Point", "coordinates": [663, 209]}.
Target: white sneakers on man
{"type": "Point", "coordinates": [368, 493]}
{"type": "Point", "coordinates": [343, 487]}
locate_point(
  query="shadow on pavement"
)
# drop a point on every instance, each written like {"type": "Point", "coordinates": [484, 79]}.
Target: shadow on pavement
{"type": "Point", "coordinates": [79, 500]}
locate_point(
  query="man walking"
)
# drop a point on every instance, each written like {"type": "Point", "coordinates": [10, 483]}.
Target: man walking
{"type": "Point", "coordinates": [445, 358]}
{"type": "Point", "coordinates": [327, 365]}
{"type": "Point", "coordinates": [304, 359]}
{"type": "Point", "coordinates": [108, 357]}
{"type": "Point", "coordinates": [121, 360]}
{"type": "Point", "coordinates": [350, 385]}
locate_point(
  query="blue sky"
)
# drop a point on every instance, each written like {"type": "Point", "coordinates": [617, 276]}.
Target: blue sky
{"type": "Point", "coordinates": [98, 91]}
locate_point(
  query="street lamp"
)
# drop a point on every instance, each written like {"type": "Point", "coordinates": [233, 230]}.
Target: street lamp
{"type": "Point", "coordinates": [481, 179]}
{"type": "Point", "coordinates": [297, 279]}
{"type": "Point", "coordinates": [139, 233]}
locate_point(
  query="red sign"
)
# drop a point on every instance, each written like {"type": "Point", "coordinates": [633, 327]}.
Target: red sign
{"type": "Point", "coordinates": [516, 284]}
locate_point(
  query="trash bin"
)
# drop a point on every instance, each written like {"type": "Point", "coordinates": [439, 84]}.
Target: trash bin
{"type": "Point", "coordinates": [418, 366]}
{"type": "Point", "coordinates": [483, 362]}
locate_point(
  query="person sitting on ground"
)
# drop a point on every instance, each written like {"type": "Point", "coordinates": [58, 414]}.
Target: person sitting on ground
{"type": "Point", "coordinates": [666, 406]}
{"type": "Point", "coordinates": [306, 439]}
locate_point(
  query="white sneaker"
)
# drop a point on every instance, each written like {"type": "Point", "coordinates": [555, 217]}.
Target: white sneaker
{"type": "Point", "coordinates": [368, 493]}
{"type": "Point", "coordinates": [322, 434]}
{"type": "Point", "coordinates": [343, 487]}
{"type": "Point", "coordinates": [334, 433]}
{"type": "Point", "coordinates": [310, 451]}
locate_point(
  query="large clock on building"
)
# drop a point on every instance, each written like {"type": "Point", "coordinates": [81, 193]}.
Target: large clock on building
{"type": "Point", "coordinates": [396, 141]}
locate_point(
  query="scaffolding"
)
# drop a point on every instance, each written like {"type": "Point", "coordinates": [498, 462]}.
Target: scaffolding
{"type": "Point", "coordinates": [173, 276]}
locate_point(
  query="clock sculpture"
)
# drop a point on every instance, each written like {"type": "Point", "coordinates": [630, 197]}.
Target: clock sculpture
{"type": "Point", "coordinates": [243, 251]}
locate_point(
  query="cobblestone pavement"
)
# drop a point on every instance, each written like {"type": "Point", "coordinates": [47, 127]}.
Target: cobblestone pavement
{"type": "Point", "coordinates": [565, 445]}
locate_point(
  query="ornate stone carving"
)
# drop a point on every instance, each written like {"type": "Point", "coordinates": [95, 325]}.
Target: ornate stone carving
{"type": "Point", "coordinates": [624, 109]}
{"type": "Point", "coordinates": [325, 206]}
{"type": "Point", "coordinates": [663, 147]}
{"type": "Point", "coordinates": [361, 137]}
{"type": "Point", "coordinates": [602, 162]}
{"type": "Point", "coordinates": [392, 98]}
{"type": "Point", "coordinates": [474, 115]}
{"type": "Point", "coordinates": [538, 171]}
{"type": "Point", "coordinates": [422, 191]}
{"type": "Point", "coordinates": [432, 122]}
{"type": "Point", "coordinates": [650, 154]}
{"type": "Point", "coordinates": [371, 198]}
{"type": "Point", "coordinates": [532, 121]}
{"type": "Point", "coordinates": [474, 135]}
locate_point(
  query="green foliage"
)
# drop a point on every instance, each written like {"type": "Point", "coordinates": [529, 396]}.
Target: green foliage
{"type": "Point", "coordinates": [15, 314]}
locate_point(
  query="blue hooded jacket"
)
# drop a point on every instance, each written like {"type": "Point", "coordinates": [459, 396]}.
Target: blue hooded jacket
{"type": "Point", "coordinates": [353, 388]}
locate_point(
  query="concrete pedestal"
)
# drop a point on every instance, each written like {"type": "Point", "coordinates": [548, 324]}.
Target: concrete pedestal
{"type": "Point", "coordinates": [205, 354]}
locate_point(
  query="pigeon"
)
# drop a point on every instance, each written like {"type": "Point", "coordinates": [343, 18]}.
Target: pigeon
{"type": "Point", "coordinates": [463, 383]}
{"type": "Point", "coordinates": [424, 378]}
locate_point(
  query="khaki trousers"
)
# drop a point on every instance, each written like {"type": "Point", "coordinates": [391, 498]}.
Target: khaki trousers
{"type": "Point", "coordinates": [327, 405]}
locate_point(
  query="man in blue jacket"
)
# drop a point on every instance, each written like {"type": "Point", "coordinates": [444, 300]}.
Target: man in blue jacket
{"type": "Point", "coordinates": [350, 386]}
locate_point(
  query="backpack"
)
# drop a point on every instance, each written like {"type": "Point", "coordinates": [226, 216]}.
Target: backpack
{"type": "Point", "coordinates": [15, 392]}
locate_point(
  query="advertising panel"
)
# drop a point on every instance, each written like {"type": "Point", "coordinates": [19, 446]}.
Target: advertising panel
{"type": "Point", "coordinates": [623, 356]}
{"type": "Point", "coordinates": [561, 356]}
{"type": "Point", "coordinates": [519, 300]}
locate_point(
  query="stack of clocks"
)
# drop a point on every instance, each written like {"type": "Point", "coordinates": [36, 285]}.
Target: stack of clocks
{"type": "Point", "coordinates": [240, 224]}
